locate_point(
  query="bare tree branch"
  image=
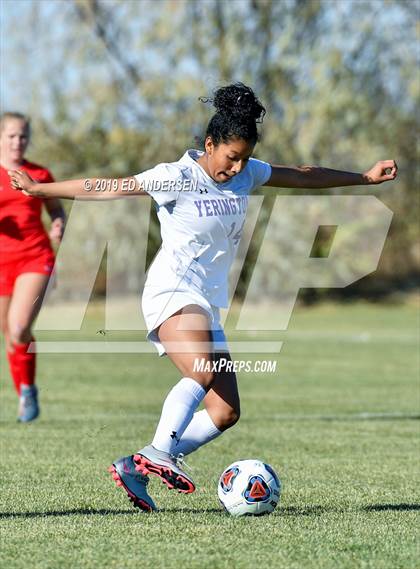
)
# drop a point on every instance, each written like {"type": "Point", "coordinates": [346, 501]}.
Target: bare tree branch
{"type": "Point", "coordinates": [220, 29]}
{"type": "Point", "coordinates": [100, 19]}
{"type": "Point", "coordinates": [95, 14]}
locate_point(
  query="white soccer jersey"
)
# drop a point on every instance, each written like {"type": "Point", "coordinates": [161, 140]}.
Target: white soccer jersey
{"type": "Point", "coordinates": [201, 224]}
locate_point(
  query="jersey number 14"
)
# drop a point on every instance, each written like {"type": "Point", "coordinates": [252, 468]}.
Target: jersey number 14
{"type": "Point", "coordinates": [236, 238]}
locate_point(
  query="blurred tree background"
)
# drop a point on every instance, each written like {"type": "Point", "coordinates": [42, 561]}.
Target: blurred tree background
{"type": "Point", "coordinates": [112, 88]}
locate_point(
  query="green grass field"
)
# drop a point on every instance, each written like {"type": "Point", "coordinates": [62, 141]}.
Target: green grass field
{"type": "Point", "coordinates": [338, 420]}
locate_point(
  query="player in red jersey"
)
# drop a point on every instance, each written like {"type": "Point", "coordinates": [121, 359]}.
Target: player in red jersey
{"type": "Point", "coordinates": [26, 258]}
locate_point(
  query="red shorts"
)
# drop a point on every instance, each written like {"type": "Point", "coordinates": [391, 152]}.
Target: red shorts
{"type": "Point", "coordinates": [40, 262]}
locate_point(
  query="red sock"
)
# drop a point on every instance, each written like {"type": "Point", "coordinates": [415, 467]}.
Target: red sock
{"type": "Point", "coordinates": [22, 365]}
{"type": "Point", "coordinates": [14, 370]}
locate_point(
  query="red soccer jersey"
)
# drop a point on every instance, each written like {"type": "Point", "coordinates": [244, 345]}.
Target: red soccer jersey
{"type": "Point", "coordinates": [21, 228]}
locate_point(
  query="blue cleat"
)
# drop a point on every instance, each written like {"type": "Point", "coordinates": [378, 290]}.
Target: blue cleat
{"type": "Point", "coordinates": [135, 484]}
{"type": "Point", "coordinates": [28, 404]}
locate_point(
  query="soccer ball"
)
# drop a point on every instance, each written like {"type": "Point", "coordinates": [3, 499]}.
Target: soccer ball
{"type": "Point", "coordinates": [249, 487]}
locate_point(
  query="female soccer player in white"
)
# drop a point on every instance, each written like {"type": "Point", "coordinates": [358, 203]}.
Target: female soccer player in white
{"type": "Point", "coordinates": [187, 282]}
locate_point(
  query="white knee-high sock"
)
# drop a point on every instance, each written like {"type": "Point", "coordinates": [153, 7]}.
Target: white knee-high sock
{"type": "Point", "coordinates": [199, 432]}
{"type": "Point", "coordinates": [177, 412]}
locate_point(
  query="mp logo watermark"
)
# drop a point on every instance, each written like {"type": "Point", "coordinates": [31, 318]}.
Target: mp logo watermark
{"type": "Point", "coordinates": [285, 263]}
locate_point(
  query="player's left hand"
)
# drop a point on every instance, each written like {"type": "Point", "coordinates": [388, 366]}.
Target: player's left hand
{"type": "Point", "coordinates": [383, 171]}
{"type": "Point", "coordinates": [56, 230]}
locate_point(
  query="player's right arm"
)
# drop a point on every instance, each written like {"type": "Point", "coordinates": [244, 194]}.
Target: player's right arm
{"type": "Point", "coordinates": [88, 188]}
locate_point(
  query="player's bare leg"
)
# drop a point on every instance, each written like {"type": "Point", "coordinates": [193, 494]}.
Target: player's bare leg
{"type": "Point", "coordinates": [222, 409]}
{"type": "Point", "coordinates": [26, 301]}
{"type": "Point", "coordinates": [4, 310]}
{"type": "Point", "coordinates": [222, 400]}
{"type": "Point", "coordinates": [187, 339]}
{"type": "Point", "coordinates": [190, 327]}
{"type": "Point", "coordinates": [155, 460]}
{"type": "Point", "coordinates": [185, 336]}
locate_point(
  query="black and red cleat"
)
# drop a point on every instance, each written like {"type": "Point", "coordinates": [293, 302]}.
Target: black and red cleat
{"type": "Point", "coordinates": [149, 460]}
{"type": "Point", "coordinates": [134, 483]}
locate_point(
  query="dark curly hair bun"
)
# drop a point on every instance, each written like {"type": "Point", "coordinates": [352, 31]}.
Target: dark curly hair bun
{"type": "Point", "coordinates": [237, 112]}
{"type": "Point", "coordinates": [240, 100]}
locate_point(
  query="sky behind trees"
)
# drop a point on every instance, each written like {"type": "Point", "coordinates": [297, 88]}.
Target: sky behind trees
{"type": "Point", "coordinates": [112, 87]}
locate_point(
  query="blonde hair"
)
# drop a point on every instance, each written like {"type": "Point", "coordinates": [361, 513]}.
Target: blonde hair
{"type": "Point", "coordinates": [11, 115]}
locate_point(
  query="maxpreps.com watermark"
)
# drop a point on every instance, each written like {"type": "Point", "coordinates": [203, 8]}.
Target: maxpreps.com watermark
{"type": "Point", "coordinates": [236, 366]}
{"type": "Point", "coordinates": [149, 186]}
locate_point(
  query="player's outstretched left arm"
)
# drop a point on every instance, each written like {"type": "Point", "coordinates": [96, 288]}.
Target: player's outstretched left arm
{"type": "Point", "coordinates": [312, 177]}
{"type": "Point", "coordinates": [86, 189]}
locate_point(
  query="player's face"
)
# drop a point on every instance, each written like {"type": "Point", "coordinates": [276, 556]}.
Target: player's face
{"type": "Point", "coordinates": [14, 138]}
{"type": "Point", "coordinates": [227, 159]}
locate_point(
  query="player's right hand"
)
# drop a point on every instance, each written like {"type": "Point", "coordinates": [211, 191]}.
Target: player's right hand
{"type": "Point", "coordinates": [21, 181]}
